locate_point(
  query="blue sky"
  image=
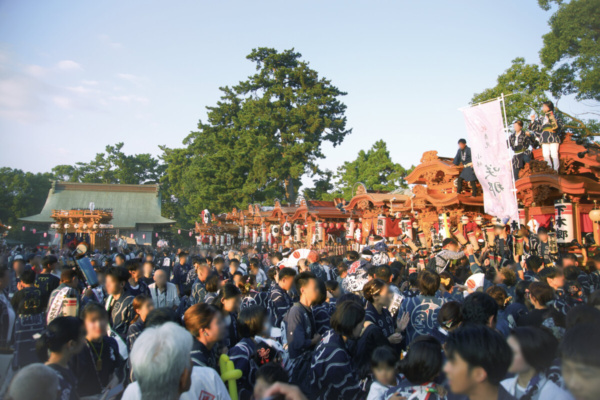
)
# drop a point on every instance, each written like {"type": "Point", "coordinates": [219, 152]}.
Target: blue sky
{"type": "Point", "coordinates": [78, 75]}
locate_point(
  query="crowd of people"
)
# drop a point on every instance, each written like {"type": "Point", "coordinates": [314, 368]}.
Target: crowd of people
{"type": "Point", "coordinates": [380, 324]}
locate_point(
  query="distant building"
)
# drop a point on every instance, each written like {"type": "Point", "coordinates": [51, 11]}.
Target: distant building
{"type": "Point", "coordinates": [136, 208]}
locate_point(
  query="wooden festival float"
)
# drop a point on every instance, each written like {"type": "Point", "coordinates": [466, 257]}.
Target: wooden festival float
{"type": "Point", "coordinates": [215, 231]}
{"type": "Point", "coordinates": [564, 201]}
{"type": "Point", "coordinates": [374, 214]}
{"type": "Point", "coordinates": [319, 225]}
{"type": "Point", "coordinates": [421, 217]}
{"type": "Point", "coordinates": [83, 225]}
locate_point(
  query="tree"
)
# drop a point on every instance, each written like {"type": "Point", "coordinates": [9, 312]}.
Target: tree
{"type": "Point", "coordinates": [374, 168]}
{"type": "Point", "coordinates": [260, 139]}
{"type": "Point", "coordinates": [572, 48]}
{"type": "Point", "coordinates": [113, 166]}
{"type": "Point", "coordinates": [529, 85]}
{"type": "Point", "coordinates": [322, 187]}
{"type": "Point", "coordinates": [21, 194]}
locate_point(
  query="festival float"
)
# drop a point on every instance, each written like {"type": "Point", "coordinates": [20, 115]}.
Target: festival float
{"type": "Point", "coordinates": [83, 226]}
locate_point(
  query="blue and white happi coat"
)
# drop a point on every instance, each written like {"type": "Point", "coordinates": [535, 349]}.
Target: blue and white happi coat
{"type": "Point", "coordinates": [243, 357]}
{"type": "Point", "coordinates": [422, 311]}
{"type": "Point", "coordinates": [332, 374]}
{"type": "Point", "coordinates": [279, 304]}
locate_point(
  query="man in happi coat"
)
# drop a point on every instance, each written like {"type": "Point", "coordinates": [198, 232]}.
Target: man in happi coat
{"type": "Point", "coordinates": [423, 309]}
{"type": "Point", "coordinates": [520, 142]}
{"type": "Point", "coordinates": [463, 156]}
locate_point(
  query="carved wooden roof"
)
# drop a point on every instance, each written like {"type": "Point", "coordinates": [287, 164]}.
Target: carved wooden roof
{"type": "Point", "coordinates": [579, 178]}
{"type": "Point", "coordinates": [434, 170]}
{"type": "Point", "coordinates": [318, 209]}
{"type": "Point", "coordinates": [363, 201]}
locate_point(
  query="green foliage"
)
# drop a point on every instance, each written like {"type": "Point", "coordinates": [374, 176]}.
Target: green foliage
{"type": "Point", "coordinates": [546, 4]}
{"type": "Point", "coordinates": [322, 188]}
{"type": "Point", "coordinates": [260, 139]}
{"type": "Point", "coordinates": [113, 166]}
{"type": "Point", "coordinates": [572, 48]}
{"type": "Point", "coordinates": [374, 168]}
{"type": "Point", "coordinates": [529, 85]}
{"type": "Point", "coordinates": [21, 194]}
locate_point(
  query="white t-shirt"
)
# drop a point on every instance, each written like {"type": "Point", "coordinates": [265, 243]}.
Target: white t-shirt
{"type": "Point", "coordinates": [206, 384]}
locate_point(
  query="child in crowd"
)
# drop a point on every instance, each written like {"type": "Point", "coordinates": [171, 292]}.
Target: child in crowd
{"type": "Point", "coordinates": [384, 367]}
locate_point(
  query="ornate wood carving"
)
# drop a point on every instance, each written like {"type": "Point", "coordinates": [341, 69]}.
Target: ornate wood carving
{"type": "Point", "coordinates": [361, 189]}
{"type": "Point", "coordinates": [429, 156]}
{"type": "Point", "coordinates": [536, 167]}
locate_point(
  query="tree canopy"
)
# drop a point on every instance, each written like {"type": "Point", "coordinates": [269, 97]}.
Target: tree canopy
{"type": "Point", "coordinates": [113, 166]}
{"type": "Point", "coordinates": [570, 67]}
{"type": "Point", "coordinates": [21, 194]}
{"type": "Point", "coordinates": [572, 48]}
{"type": "Point", "coordinates": [374, 168]}
{"type": "Point", "coordinates": [260, 139]}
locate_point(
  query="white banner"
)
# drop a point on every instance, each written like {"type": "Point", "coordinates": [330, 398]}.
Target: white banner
{"type": "Point", "coordinates": [491, 159]}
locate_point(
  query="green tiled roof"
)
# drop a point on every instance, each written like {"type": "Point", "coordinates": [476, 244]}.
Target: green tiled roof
{"type": "Point", "coordinates": [131, 204]}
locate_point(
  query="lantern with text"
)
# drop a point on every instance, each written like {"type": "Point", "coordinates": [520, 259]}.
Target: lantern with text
{"type": "Point", "coordinates": [381, 229]}
{"type": "Point", "coordinates": [563, 219]}
{"type": "Point", "coordinates": [350, 229]}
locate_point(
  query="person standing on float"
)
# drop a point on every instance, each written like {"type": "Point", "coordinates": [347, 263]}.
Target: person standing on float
{"type": "Point", "coordinates": [548, 134]}
{"type": "Point", "coordinates": [463, 156]}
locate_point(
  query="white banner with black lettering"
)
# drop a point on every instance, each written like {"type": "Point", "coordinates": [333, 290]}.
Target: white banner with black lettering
{"type": "Point", "coordinates": [491, 159]}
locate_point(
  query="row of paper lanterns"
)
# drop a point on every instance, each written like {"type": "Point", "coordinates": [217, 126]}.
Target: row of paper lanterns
{"type": "Point", "coordinates": [84, 226]}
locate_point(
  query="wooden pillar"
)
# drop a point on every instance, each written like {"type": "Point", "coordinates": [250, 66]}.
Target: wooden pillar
{"type": "Point", "coordinates": [577, 221]}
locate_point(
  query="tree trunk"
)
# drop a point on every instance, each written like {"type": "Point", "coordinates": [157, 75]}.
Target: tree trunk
{"type": "Point", "coordinates": [290, 193]}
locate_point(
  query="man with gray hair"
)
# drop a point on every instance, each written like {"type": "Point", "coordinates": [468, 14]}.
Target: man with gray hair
{"type": "Point", "coordinates": [33, 382]}
{"type": "Point", "coordinates": [161, 363]}
{"type": "Point", "coordinates": [162, 368]}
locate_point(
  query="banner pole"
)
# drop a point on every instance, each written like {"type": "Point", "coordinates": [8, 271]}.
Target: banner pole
{"type": "Point", "coordinates": [512, 172]}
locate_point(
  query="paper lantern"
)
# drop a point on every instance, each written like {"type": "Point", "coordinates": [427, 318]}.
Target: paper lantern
{"type": "Point", "coordinates": [76, 226]}
{"type": "Point", "coordinates": [156, 234]}
{"type": "Point", "coordinates": [319, 231]}
{"type": "Point", "coordinates": [254, 236]}
{"type": "Point", "coordinates": [206, 217]}
{"type": "Point", "coordinates": [95, 226]}
{"type": "Point", "coordinates": [190, 233]}
{"type": "Point", "coordinates": [23, 228]}
{"type": "Point", "coordinates": [381, 229]}
{"type": "Point", "coordinates": [179, 231]}
{"type": "Point", "coordinates": [144, 236]}
{"type": "Point", "coordinates": [563, 225]}
{"type": "Point", "coordinates": [275, 230]}
{"type": "Point", "coordinates": [263, 233]}
{"type": "Point", "coordinates": [358, 234]}
{"type": "Point", "coordinates": [286, 229]}
{"type": "Point", "coordinates": [45, 234]}
{"type": "Point", "coordinates": [595, 215]}
{"type": "Point", "coordinates": [33, 230]}
{"type": "Point", "coordinates": [339, 226]}
{"type": "Point", "coordinates": [297, 233]}
{"type": "Point", "coordinates": [350, 229]}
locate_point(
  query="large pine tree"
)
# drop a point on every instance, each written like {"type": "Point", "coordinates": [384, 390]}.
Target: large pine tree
{"type": "Point", "coordinates": [260, 139]}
